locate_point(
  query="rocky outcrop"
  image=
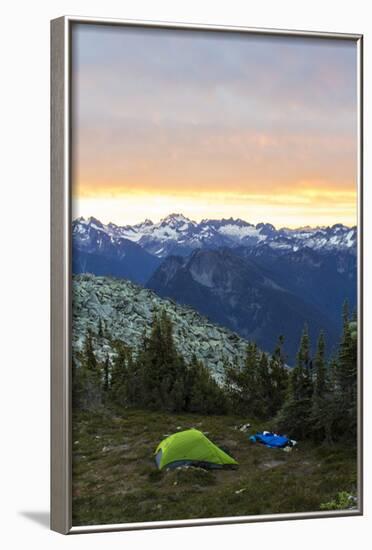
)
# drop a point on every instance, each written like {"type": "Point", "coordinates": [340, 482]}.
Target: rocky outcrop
{"type": "Point", "coordinates": [125, 311]}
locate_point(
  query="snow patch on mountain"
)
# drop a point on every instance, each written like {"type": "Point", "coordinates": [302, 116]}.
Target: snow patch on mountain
{"type": "Point", "coordinates": [239, 232]}
{"type": "Point", "coordinates": [177, 234]}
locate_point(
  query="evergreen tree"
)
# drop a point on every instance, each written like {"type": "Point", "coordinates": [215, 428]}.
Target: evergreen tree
{"type": "Point", "coordinates": [346, 378]}
{"type": "Point", "coordinates": [86, 377]}
{"type": "Point", "coordinates": [347, 358]}
{"type": "Point", "coordinates": [320, 385]}
{"type": "Point", "coordinates": [321, 413]}
{"type": "Point", "coordinates": [202, 392]}
{"type": "Point", "coordinates": [121, 382]}
{"type": "Point", "coordinates": [279, 378]}
{"type": "Point", "coordinates": [100, 328]}
{"type": "Point", "coordinates": [295, 415]}
{"type": "Point", "coordinates": [77, 385]}
{"type": "Point", "coordinates": [242, 382]}
{"type": "Point", "coordinates": [264, 388]}
{"type": "Point", "coordinates": [163, 369]}
{"type": "Point", "coordinates": [106, 375]}
{"type": "Point", "coordinates": [90, 361]}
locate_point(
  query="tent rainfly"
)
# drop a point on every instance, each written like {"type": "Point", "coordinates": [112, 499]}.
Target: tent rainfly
{"type": "Point", "coordinates": [191, 447]}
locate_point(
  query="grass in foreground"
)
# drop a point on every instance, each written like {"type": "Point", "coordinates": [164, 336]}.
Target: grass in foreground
{"type": "Point", "coordinates": [115, 479]}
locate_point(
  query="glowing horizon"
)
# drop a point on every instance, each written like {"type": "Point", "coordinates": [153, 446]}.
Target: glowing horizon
{"type": "Point", "coordinates": [128, 210]}
{"type": "Point", "coordinates": [213, 126]}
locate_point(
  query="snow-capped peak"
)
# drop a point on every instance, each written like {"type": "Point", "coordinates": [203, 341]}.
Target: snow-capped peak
{"type": "Point", "coordinates": [175, 219]}
{"type": "Point", "coordinates": [177, 234]}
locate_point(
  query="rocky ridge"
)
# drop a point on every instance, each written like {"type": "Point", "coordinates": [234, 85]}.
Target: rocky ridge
{"type": "Point", "coordinates": [126, 310]}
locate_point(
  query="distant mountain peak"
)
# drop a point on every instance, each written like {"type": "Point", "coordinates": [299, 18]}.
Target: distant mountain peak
{"type": "Point", "coordinates": [177, 234]}
{"type": "Point", "coordinates": [267, 225]}
{"type": "Point", "coordinates": [175, 217]}
{"type": "Point", "coordinates": [225, 221]}
{"type": "Point", "coordinates": [92, 220]}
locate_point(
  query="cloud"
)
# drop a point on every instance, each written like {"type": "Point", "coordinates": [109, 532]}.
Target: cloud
{"type": "Point", "coordinates": [157, 110]}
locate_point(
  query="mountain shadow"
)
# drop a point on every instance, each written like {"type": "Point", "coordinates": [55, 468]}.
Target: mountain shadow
{"type": "Point", "coordinates": [242, 295]}
{"type": "Point", "coordinates": [123, 259]}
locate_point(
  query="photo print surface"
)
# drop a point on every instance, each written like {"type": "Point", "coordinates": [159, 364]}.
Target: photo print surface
{"type": "Point", "coordinates": [214, 257]}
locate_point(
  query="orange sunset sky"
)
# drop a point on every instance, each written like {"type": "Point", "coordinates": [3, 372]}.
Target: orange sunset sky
{"type": "Point", "coordinates": [213, 125]}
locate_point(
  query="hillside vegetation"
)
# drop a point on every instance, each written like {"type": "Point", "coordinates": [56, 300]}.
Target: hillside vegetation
{"type": "Point", "coordinates": [115, 478]}
{"type": "Point", "coordinates": [316, 399]}
{"type": "Point", "coordinates": [127, 398]}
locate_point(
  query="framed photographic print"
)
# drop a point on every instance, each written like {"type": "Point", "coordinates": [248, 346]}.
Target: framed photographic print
{"type": "Point", "coordinates": [206, 274]}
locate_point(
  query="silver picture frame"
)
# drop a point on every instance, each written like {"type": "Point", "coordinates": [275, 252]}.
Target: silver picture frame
{"type": "Point", "coordinates": [61, 170]}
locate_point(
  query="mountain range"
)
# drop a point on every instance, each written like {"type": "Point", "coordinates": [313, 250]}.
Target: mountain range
{"type": "Point", "coordinates": [256, 280]}
{"type": "Point", "coordinates": [240, 294]}
{"type": "Point", "coordinates": [179, 235]}
{"type": "Point", "coordinates": [95, 250]}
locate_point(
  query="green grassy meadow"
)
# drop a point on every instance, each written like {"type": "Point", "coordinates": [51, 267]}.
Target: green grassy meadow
{"type": "Point", "coordinates": [115, 479]}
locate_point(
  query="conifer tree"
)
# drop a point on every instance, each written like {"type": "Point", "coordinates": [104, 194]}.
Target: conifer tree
{"type": "Point", "coordinates": [321, 413]}
{"type": "Point", "coordinates": [279, 378]}
{"type": "Point", "coordinates": [320, 385]}
{"type": "Point", "coordinates": [77, 385]}
{"type": "Point", "coordinates": [203, 394]}
{"type": "Point", "coordinates": [346, 378]}
{"type": "Point", "coordinates": [347, 358]}
{"type": "Point", "coordinates": [87, 375]}
{"type": "Point", "coordinates": [106, 374]}
{"type": "Point", "coordinates": [295, 415]}
{"type": "Point", "coordinates": [264, 388]}
{"type": "Point", "coordinates": [134, 380]}
{"type": "Point", "coordinates": [100, 328]}
{"type": "Point", "coordinates": [119, 376]}
{"type": "Point", "coordinates": [163, 369]}
{"type": "Point", "coordinates": [90, 361]}
{"type": "Point", "coordinates": [194, 387]}
{"type": "Point", "coordinates": [242, 382]}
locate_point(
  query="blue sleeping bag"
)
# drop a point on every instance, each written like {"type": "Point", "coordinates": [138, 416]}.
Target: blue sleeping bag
{"type": "Point", "coordinates": [270, 439]}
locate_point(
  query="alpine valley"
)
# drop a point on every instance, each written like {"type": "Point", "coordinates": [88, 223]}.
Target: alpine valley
{"type": "Point", "coordinates": [255, 280]}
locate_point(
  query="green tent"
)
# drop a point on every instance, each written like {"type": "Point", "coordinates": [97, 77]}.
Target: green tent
{"type": "Point", "coordinates": [193, 448]}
